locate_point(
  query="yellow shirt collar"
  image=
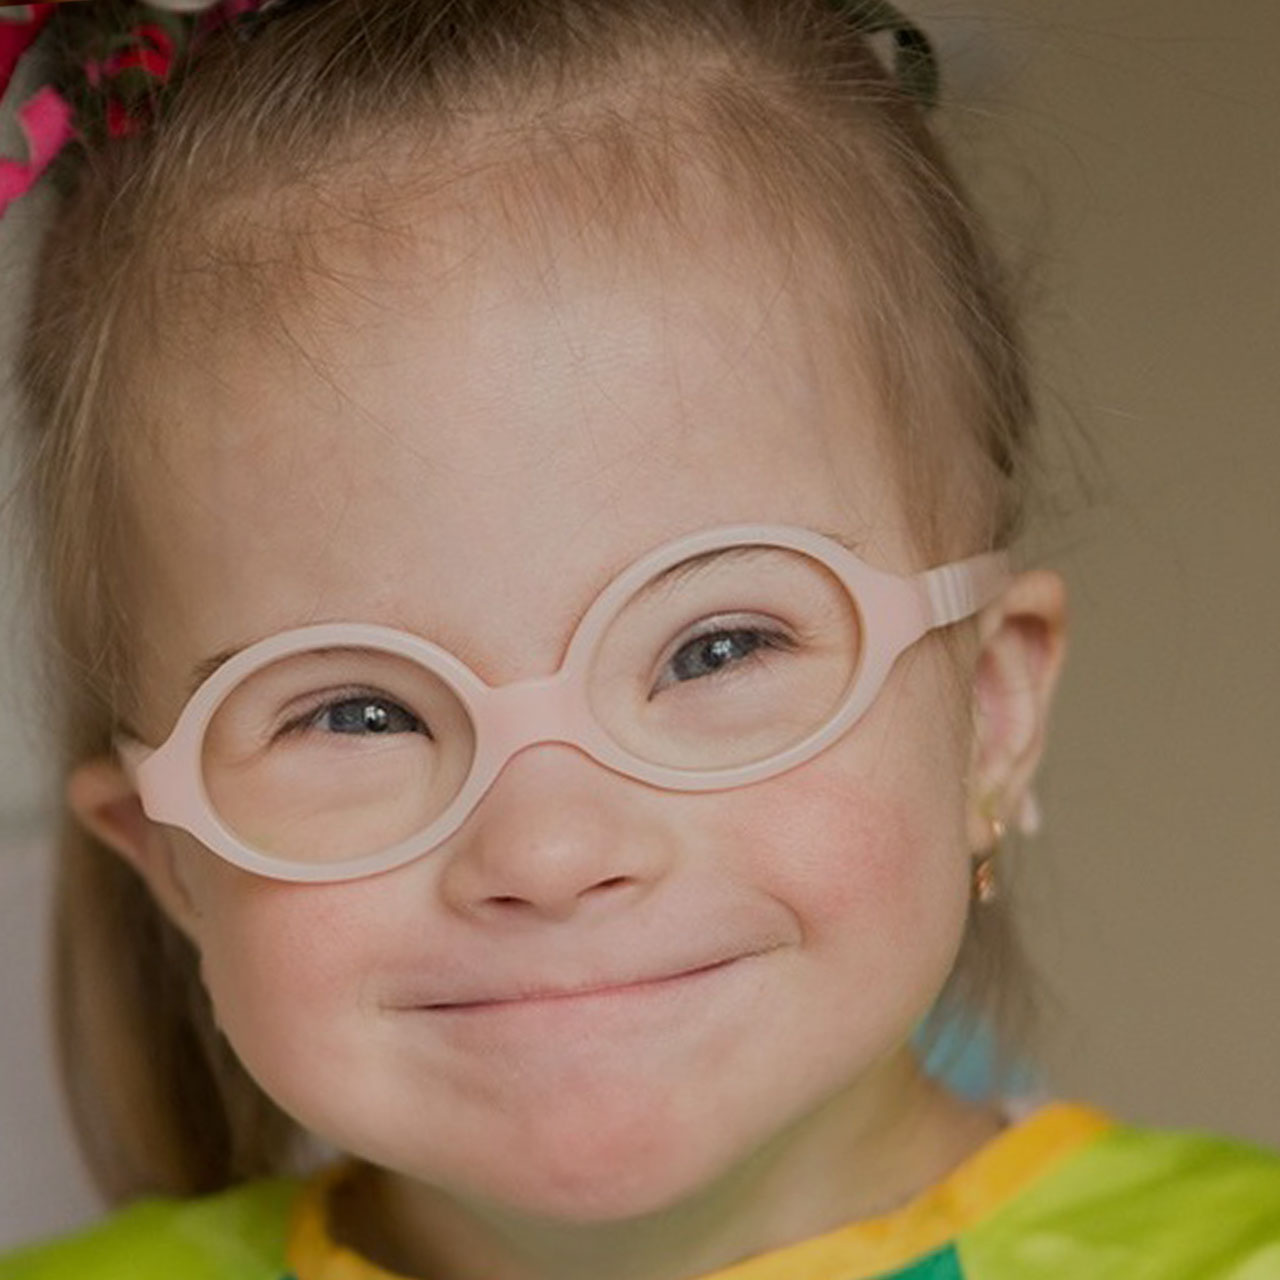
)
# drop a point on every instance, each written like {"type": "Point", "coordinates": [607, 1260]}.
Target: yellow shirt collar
{"type": "Point", "coordinates": [991, 1177]}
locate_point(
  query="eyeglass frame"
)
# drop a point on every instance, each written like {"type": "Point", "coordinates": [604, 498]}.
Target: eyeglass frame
{"type": "Point", "coordinates": [894, 612]}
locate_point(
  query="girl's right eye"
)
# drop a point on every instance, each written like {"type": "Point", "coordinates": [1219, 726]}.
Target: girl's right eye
{"type": "Point", "coordinates": [365, 715]}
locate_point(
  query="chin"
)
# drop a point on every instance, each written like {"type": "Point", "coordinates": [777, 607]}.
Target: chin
{"type": "Point", "coordinates": [602, 1172]}
{"type": "Point", "coordinates": [585, 1196]}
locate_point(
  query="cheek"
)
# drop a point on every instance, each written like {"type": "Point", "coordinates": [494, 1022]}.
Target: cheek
{"type": "Point", "coordinates": [276, 960]}
{"type": "Point", "coordinates": [880, 869]}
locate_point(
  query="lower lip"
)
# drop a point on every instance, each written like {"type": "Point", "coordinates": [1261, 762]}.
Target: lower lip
{"type": "Point", "coordinates": [630, 991]}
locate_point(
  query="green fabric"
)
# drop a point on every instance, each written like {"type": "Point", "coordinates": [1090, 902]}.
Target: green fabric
{"type": "Point", "coordinates": [238, 1235]}
{"type": "Point", "coordinates": [1132, 1205]}
{"type": "Point", "coordinates": [1138, 1205]}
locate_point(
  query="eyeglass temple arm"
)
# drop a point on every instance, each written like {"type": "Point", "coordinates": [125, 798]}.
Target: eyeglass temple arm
{"type": "Point", "coordinates": [132, 754]}
{"type": "Point", "coordinates": [957, 591]}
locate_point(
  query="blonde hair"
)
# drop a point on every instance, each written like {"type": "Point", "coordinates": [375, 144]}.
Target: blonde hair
{"type": "Point", "coordinates": [781, 97]}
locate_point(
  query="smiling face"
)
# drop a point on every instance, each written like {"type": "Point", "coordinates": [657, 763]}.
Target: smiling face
{"type": "Point", "coordinates": [596, 997]}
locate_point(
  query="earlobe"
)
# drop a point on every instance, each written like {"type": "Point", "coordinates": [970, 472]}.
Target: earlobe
{"type": "Point", "coordinates": [1022, 643]}
{"type": "Point", "coordinates": [108, 806]}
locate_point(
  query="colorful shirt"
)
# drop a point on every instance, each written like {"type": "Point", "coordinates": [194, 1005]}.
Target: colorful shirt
{"type": "Point", "coordinates": [1065, 1194]}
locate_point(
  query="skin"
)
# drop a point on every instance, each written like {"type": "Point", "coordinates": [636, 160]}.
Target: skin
{"type": "Point", "coordinates": [475, 454]}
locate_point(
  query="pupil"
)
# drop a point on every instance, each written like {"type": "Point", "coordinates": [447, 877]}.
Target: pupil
{"type": "Point", "coordinates": [364, 716]}
{"type": "Point", "coordinates": [720, 651]}
{"type": "Point", "coordinates": [376, 719]}
{"type": "Point", "coordinates": [715, 653]}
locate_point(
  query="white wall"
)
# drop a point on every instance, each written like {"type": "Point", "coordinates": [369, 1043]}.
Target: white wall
{"type": "Point", "coordinates": [1149, 130]}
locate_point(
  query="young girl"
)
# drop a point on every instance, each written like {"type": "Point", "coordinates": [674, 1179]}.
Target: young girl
{"type": "Point", "coordinates": [522, 492]}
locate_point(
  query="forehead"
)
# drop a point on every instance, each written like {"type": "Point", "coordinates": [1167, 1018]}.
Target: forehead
{"type": "Point", "coordinates": [487, 425]}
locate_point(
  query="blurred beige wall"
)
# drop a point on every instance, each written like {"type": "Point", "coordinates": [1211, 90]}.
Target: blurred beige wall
{"type": "Point", "coordinates": [1130, 151]}
{"type": "Point", "coordinates": [1132, 148]}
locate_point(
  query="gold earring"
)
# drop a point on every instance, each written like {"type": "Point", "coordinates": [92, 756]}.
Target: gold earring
{"type": "Point", "coordinates": [983, 886]}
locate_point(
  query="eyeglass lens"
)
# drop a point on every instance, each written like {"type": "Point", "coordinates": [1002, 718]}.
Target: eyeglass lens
{"type": "Point", "coordinates": [726, 660]}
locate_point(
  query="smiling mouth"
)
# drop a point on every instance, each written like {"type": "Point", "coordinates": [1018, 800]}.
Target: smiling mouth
{"type": "Point", "coordinates": [562, 995]}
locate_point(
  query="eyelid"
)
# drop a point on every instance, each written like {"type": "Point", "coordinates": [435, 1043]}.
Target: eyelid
{"type": "Point", "coordinates": [736, 620]}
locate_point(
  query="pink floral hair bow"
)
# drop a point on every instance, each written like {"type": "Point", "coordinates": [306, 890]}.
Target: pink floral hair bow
{"type": "Point", "coordinates": [111, 90]}
{"type": "Point", "coordinates": [115, 90]}
{"type": "Point", "coordinates": [45, 118]}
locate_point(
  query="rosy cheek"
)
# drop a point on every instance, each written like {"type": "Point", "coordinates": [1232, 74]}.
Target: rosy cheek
{"type": "Point", "coordinates": [839, 852]}
{"type": "Point", "coordinates": [871, 879]}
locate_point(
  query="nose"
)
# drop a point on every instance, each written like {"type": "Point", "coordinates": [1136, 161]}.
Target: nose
{"type": "Point", "coordinates": [555, 836]}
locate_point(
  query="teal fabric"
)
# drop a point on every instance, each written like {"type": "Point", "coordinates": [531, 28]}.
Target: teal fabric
{"type": "Point", "coordinates": [943, 1265]}
{"type": "Point", "coordinates": [964, 1059]}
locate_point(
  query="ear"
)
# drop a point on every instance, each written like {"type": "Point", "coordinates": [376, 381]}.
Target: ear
{"type": "Point", "coordinates": [1022, 642]}
{"type": "Point", "coordinates": [108, 806]}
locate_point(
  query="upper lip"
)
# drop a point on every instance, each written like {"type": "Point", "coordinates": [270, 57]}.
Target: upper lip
{"type": "Point", "coordinates": [518, 992]}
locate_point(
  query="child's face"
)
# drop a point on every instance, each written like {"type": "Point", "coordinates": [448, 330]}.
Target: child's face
{"type": "Point", "coordinates": [485, 438]}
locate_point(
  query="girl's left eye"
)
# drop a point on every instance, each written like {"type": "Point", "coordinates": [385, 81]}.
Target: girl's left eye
{"type": "Point", "coordinates": [719, 651]}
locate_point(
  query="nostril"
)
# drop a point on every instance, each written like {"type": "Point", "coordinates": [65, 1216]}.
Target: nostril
{"type": "Point", "coordinates": [553, 903]}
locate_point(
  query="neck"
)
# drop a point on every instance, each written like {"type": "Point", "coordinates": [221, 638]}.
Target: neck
{"type": "Point", "coordinates": [849, 1160]}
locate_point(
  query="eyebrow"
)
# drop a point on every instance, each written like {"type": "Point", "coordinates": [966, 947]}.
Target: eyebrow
{"type": "Point", "coordinates": [682, 570]}
{"type": "Point", "coordinates": [677, 572]}
{"type": "Point", "coordinates": [207, 666]}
